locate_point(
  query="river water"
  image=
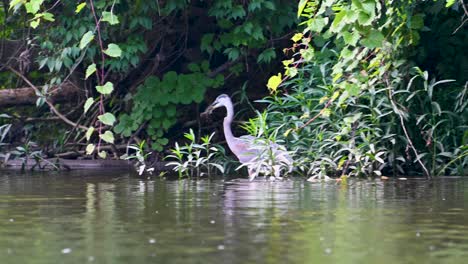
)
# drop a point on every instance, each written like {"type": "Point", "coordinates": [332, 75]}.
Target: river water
{"type": "Point", "coordinates": [115, 217]}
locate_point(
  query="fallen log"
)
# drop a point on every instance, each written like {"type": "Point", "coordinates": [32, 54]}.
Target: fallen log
{"type": "Point", "coordinates": [67, 164]}
{"type": "Point", "coordinates": [27, 96]}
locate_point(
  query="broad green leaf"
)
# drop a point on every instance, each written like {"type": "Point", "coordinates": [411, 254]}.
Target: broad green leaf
{"type": "Point", "coordinates": [90, 149]}
{"type": "Point", "coordinates": [291, 71]}
{"type": "Point", "coordinates": [107, 88]}
{"type": "Point", "coordinates": [89, 102]}
{"type": "Point", "coordinates": [80, 7]}
{"type": "Point", "coordinates": [336, 25]}
{"type": "Point", "coordinates": [113, 50]}
{"type": "Point", "coordinates": [89, 133]}
{"type": "Point", "coordinates": [107, 119]}
{"type": "Point", "coordinates": [48, 16]}
{"type": "Point", "coordinates": [373, 40]}
{"type": "Point", "coordinates": [351, 38]}
{"type": "Point", "coordinates": [108, 137]}
{"type": "Point", "coordinates": [318, 24]}
{"type": "Point", "coordinates": [274, 82]}
{"type": "Point", "coordinates": [87, 37]}
{"type": "Point", "coordinates": [90, 70]}
{"type": "Point", "coordinates": [110, 17]}
{"type": "Point", "coordinates": [102, 154]}
{"type": "Point", "coordinates": [33, 6]}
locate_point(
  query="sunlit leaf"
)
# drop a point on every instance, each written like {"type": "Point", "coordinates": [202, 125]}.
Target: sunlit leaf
{"type": "Point", "coordinates": [89, 133]}
{"type": "Point", "coordinates": [90, 70]}
{"type": "Point", "coordinates": [107, 88]}
{"type": "Point", "coordinates": [108, 137]}
{"type": "Point", "coordinates": [90, 149]}
{"type": "Point", "coordinates": [35, 23]}
{"type": "Point", "coordinates": [80, 7]}
{"type": "Point", "coordinates": [274, 82]}
{"type": "Point", "coordinates": [87, 37]}
{"type": "Point", "coordinates": [89, 102]}
{"type": "Point", "coordinates": [110, 17]}
{"type": "Point", "coordinates": [301, 6]}
{"type": "Point", "coordinates": [297, 37]}
{"type": "Point", "coordinates": [102, 154]}
{"type": "Point", "coordinates": [107, 119]}
{"type": "Point", "coordinates": [113, 50]}
{"type": "Point", "coordinates": [449, 3]}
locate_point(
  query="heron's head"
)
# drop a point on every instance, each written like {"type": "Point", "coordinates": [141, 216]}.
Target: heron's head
{"type": "Point", "coordinates": [222, 100]}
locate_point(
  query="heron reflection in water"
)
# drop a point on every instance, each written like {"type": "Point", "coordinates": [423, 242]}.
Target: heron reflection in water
{"type": "Point", "coordinates": [249, 149]}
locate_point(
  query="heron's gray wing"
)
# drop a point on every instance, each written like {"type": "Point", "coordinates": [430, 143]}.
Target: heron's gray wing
{"type": "Point", "coordinates": [242, 148]}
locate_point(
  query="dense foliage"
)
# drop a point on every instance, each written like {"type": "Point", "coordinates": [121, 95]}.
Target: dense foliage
{"type": "Point", "coordinates": [144, 66]}
{"type": "Point", "coordinates": [368, 87]}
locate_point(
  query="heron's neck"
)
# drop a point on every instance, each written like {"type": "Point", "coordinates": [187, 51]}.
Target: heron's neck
{"type": "Point", "coordinates": [227, 123]}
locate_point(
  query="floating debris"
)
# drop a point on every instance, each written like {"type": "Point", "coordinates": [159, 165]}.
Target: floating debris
{"type": "Point", "coordinates": [220, 247]}
{"type": "Point", "coordinates": [212, 222]}
{"type": "Point", "coordinates": [152, 240]}
{"type": "Point", "coordinates": [66, 250]}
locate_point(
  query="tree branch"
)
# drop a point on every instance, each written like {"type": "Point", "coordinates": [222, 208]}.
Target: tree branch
{"type": "Point", "coordinates": [54, 110]}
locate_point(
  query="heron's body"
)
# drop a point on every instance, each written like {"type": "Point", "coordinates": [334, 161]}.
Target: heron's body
{"type": "Point", "coordinates": [245, 147]}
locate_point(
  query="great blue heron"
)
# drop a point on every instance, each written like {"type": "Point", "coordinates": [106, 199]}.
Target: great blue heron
{"type": "Point", "coordinates": [249, 149]}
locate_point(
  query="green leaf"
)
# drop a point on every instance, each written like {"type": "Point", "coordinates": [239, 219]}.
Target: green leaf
{"type": "Point", "coordinates": [102, 154]}
{"type": "Point", "coordinates": [336, 25]}
{"type": "Point", "coordinates": [297, 37]}
{"type": "Point", "coordinates": [33, 6]}
{"type": "Point", "coordinates": [274, 82]}
{"type": "Point", "coordinates": [80, 7]}
{"type": "Point", "coordinates": [351, 38]}
{"type": "Point", "coordinates": [14, 3]}
{"type": "Point", "coordinates": [107, 119]}
{"type": "Point", "coordinates": [417, 21]}
{"type": "Point", "coordinates": [108, 137]}
{"type": "Point", "coordinates": [448, 3]}
{"type": "Point", "coordinates": [48, 16]}
{"type": "Point", "coordinates": [107, 88]}
{"type": "Point", "coordinates": [90, 70]}
{"type": "Point", "coordinates": [87, 37]}
{"type": "Point", "coordinates": [35, 23]}
{"type": "Point", "coordinates": [89, 133]}
{"type": "Point", "coordinates": [193, 67]}
{"type": "Point", "coordinates": [302, 5]}
{"type": "Point", "coordinates": [373, 40]}
{"type": "Point", "coordinates": [113, 50]}
{"type": "Point", "coordinates": [90, 149]}
{"type": "Point", "coordinates": [110, 17]}
{"type": "Point", "coordinates": [89, 102]}
{"type": "Point", "coordinates": [318, 24]}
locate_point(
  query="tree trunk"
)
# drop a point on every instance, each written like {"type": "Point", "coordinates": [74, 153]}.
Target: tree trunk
{"type": "Point", "coordinates": [26, 96]}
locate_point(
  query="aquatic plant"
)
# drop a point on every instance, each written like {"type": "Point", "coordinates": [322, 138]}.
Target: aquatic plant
{"type": "Point", "coordinates": [195, 159]}
{"type": "Point", "coordinates": [140, 156]}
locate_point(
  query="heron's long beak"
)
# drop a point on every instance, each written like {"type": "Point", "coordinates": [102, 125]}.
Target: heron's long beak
{"type": "Point", "coordinates": [210, 108]}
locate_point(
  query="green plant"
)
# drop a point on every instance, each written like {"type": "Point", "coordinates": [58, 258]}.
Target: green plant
{"type": "Point", "coordinates": [156, 102]}
{"type": "Point", "coordinates": [140, 156]}
{"type": "Point", "coordinates": [348, 109]}
{"type": "Point", "coordinates": [194, 159]}
{"type": "Point", "coordinates": [271, 157]}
